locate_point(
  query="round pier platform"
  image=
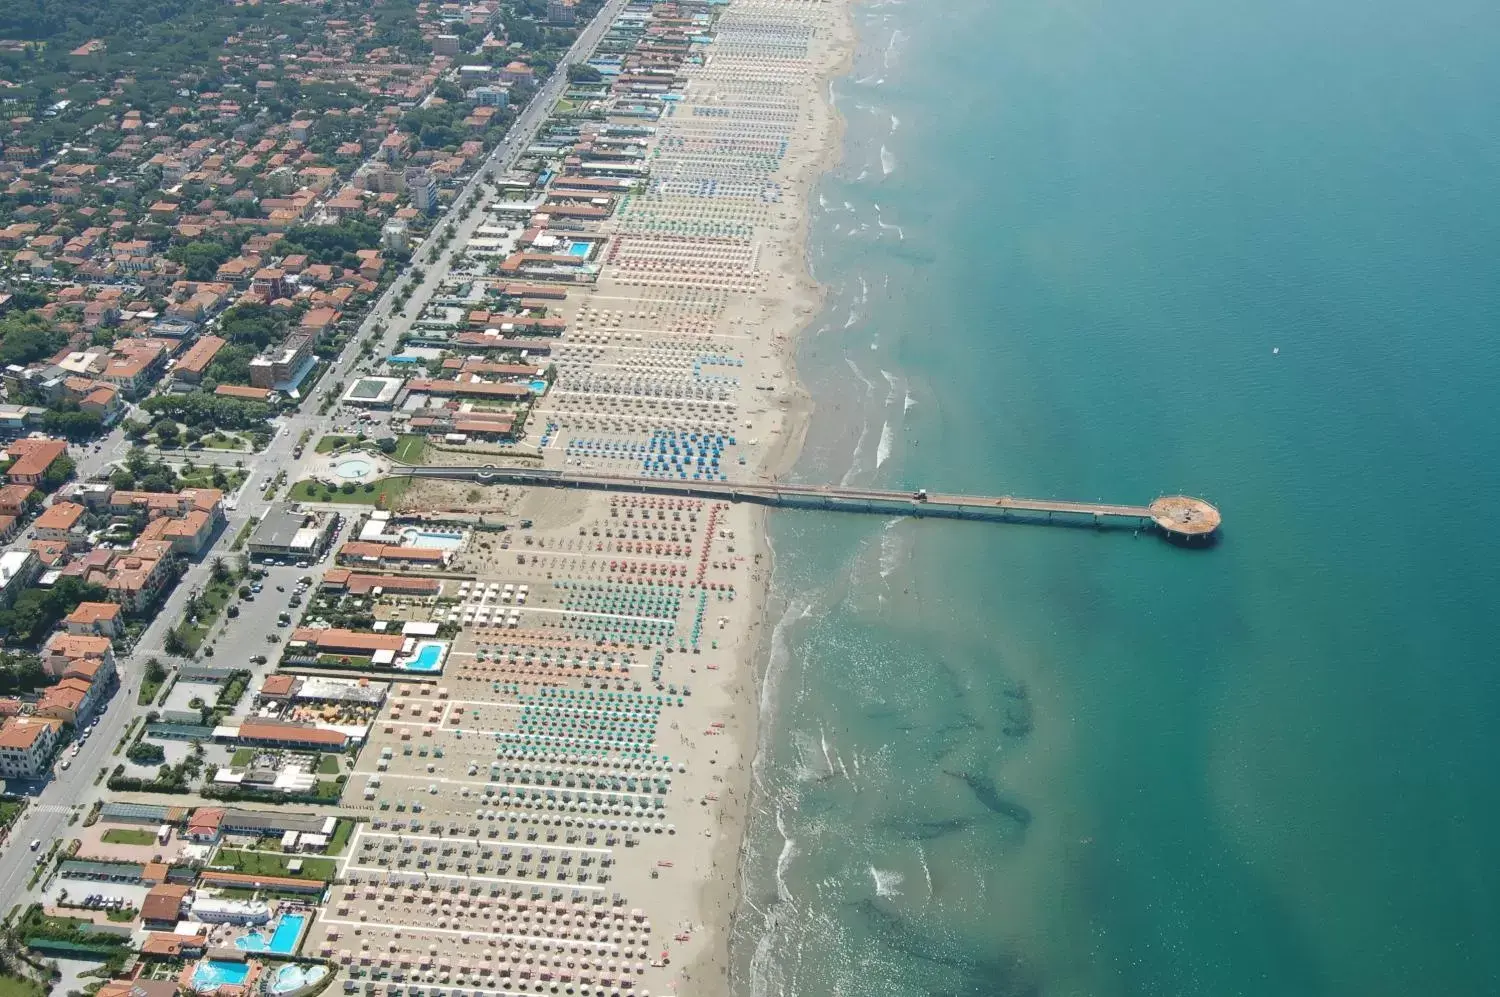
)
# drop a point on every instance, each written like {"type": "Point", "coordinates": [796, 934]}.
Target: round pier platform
{"type": "Point", "coordinates": [1183, 517]}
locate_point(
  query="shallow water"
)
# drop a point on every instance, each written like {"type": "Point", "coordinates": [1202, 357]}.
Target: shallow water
{"type": "Point", "coordinates": [1244, 252]}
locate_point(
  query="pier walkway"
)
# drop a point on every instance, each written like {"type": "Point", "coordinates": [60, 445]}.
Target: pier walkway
{"type": "Point", "coordinates": [1180, 518]}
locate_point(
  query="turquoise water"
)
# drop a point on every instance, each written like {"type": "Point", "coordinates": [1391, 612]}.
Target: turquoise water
{"type": "Point", "coordinates": [211, 974]}
{"type": "Point", "coordinates": [283, 939]}
{"type": "Point", "coordinates": [1241, 251]}
{"type": "Point", "coordinates": [293, 977]}
{"type": "Point", "coordinates": [580, 248]}
{"type": "Point", "coordinates": [429, 658]}
{"type": "Point", "coordinates": [428, 538]}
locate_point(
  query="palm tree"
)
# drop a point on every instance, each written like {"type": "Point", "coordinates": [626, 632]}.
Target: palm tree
{"type": "Point", "coordinates": [218, 570]}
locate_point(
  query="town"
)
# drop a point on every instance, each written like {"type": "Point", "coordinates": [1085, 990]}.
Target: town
{"type": "Point", "coordinates": [277, 715]}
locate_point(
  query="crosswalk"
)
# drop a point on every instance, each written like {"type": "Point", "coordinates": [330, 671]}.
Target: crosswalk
{"type": "Point", "coordinates": [51, 808]}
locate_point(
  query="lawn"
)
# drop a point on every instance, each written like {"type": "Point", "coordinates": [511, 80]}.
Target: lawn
{"type": "Point", "coordinates": [242, 757]}
{"type": "Point", "coordinates": [340, 838]}
{"type": "Point", "coordinates": [149, 689]}
{"type": "Point", "coordinates": [215, 597]}
{"type": "Point", "coordinates": [329, 765]}
{"type": "Point", "coordinates": [389, 489]}
{"type": "Point", "coordinates": [410, 448]}
{"type": "Point", "coordinates": [10, 810]}
{"type": "Point", "coordinates": [218, 441]}
{"type": "Point", "coordinates": [243, 535]}
{"type": "Point", "coordinates": [15, 986]}
{"type": "Point", "coordinates": [275, 864]}
{"type": "Point", "coordinates": [332, 442]}
{"type": "Point", "coordinates": [203, 477]}
{"type": "Point", "coordinates": [127, 836]}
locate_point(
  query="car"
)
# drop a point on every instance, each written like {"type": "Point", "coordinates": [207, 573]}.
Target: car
{"type": "Point", "coordinates": [36, 843]}
{"type": "Point", "coordinates": [257, 587]}
{"type": "Point", "coordinates": [258, 659]}
{"type": "Point", "coordinates": [66, 764]}
{"type": "Point", "coordinates": [281, 588]}
{"type": "Point", "coordinates": [303, 564]}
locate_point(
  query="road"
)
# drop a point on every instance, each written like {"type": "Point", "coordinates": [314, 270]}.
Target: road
{"type": "Point", "coordinates": [47, 816]}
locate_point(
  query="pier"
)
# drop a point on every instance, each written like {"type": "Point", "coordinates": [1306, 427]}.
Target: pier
{"type": "Point", "coordinates": [1179, 518]}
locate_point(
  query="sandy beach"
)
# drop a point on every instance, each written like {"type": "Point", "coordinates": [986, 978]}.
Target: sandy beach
{"type": "Point", "coordinates": [689, 331]}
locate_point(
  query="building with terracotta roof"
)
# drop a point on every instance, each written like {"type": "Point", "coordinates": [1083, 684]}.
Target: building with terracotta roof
{"type": "Point", "coordinates": [63, 522]}
{"type": "Point", "coordinates": [70, 701]}
{"type": "Point", "coordinates": [188, 535]}
{"type": "Point", "coordinates": [32, 459]}
{"type": "Point", "coordinates": [278, 686]}
{"type": "Point", "coordinates": [17, 499]}
{"type": "Point", "coordinates": [387, 555]}
{"type": "Point", "coordinates": [336, 640]}
{"type": "Point", "coordinates": [26, 746]}
{"type": "Point", "coordinates": [63, 649]}
{"type": "Point", "coordinates": [196, 360]}
{"type": "Point", "coordinates": [355, 583]}
{"type": "Point", "coordinates": [167, 945]}
{"type": "Point", "coordinates": [163, 905]}
{"type": "Point", "coordinates": [205, 824]}
{"type": "Point", "coordinates": [243, 391]}
{"type": "Point", "coordinates": [95, 619]}
{"type": "Point", "coordinates": [275, 734]}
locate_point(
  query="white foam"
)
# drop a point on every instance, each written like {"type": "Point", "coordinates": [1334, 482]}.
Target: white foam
{"type": "Point", "coordinates": [883, 448]}
{"type": "Point", "coordinates": [908, 402]}
{"type": "Point", "coordinates": [890, 549]}
{"type": "Point", "coordinates": [822, 202]}
{"type": "Point", "coordinates": [784, 860]}
{"type": "Point", "coordinates": [926, 871]}
{"type": "Point", "coordinates": [887, 882]}
{"type": "Point", "coordinates": [895, 123]}
{"type": "Point", "coordinates": [890, 48]}
{"type": "Point", "coordinates": [887, 161]}
{"type": "Point", "coordinates": [891, 382]}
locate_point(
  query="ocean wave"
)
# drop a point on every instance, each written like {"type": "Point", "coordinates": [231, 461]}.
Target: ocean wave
{"type": "Point", "coordinates": [857, 456]}
{"type": "Point", "coordinates": [784, 859]}
{"type": "Point", "coordinates": [887, 882]}
{"type": "Point", "coordinates": [895, 123]}
{"type": "Point", "coordinates": [907, 402]}
{"type": "Point", "coordinates": [891, 380]}
{"type": "Point", "coordinates": [887, 161]}
{"type": "Point", "coordinates": [890, 548]}
{"type": "Point", "coordinates": [890, 49]}
{"type": "Point", "coordinates": [883, 448]}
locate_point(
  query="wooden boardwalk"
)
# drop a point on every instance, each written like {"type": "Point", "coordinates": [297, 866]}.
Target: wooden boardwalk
{"type": "Point", "coordinates": [1179, 517]}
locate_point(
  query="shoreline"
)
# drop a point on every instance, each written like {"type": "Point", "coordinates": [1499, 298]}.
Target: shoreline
{"type": "Point", "coordinates": [726, 894]}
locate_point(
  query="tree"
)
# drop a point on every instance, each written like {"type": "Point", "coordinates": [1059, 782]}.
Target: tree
{"type": "Point", "coordinates": [59, 471]}
{"type": "Point", "coordinates": [156, 672]}
{"type": "Point", "coordinates": [219, 570]}
{"type": "Point", "coordinates": [72, 424]}
{"type": "Point", "coordinates": [582, 72]}
{"type": "Point", "coordinates": [166, 431]}
{"type": "Point", "coordinates": [174, 643]}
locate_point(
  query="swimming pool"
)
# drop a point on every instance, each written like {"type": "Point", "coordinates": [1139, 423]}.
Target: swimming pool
{"type": "Point", "coordinates": [429, 657]}
{"type": "Point", "coordinates": [580, 248]}
{"type": "Point", "coordinates": [292, 977]}
{"type": "Point", "coordinates": [283, 939]}
{"type": "Point", "coordinates": [212, 974]}
{"type": "Point", "coordinates": [414, 537]}
{"type": "Point", "coordinates": [539, 387]}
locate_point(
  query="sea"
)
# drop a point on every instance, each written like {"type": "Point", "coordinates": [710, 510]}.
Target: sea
{"type": "Point", "coordinates": [1107, 251]}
